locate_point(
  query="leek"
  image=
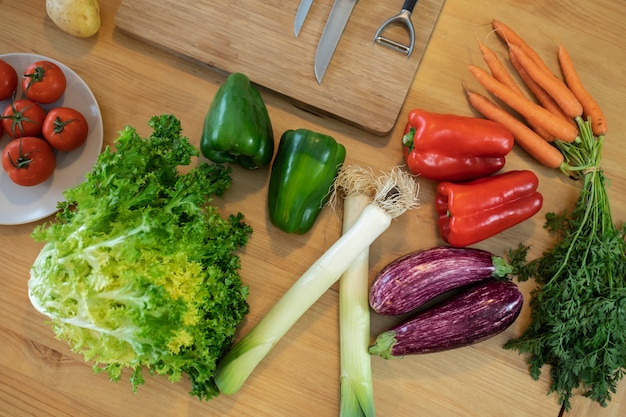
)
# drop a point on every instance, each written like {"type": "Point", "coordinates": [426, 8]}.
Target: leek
{"type": "Point", "coordinates": [356, 385]}
{"type": "Point", "coordinates": [395, 194]}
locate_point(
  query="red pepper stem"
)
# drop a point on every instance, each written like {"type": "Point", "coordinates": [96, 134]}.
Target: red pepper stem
{"type": "Point", "coordinates": [408, 138]}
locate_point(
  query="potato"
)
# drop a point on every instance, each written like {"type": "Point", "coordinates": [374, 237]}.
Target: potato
{"type": "Point", "coordinates": [77, 17]}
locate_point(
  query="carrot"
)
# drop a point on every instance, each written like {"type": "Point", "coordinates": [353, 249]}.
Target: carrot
{"type": "Point", "coordinates": [543, 98]}
{"type": "Point", "coordinates": [502, 74]}
{"type": "Point", "coordinates": [497, 68]}
{"type": "Point", "coordinates": [530, 110]}
{"type": "Point", "coordinates": [542, 151]}
{"type": "Point", "coordinates": [509, 36]}
{"type": "Point", "coordinates": [573, 81]}
{"type": "Point", "coordinates": [566, 100]}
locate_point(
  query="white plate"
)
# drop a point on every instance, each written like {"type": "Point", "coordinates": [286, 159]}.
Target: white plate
{"type": "Point", "coordinates": [18, 204]}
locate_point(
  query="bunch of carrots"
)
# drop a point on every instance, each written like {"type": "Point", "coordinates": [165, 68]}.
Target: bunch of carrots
{"type": "Point", "coordinates": [558, 106]}
{"type": "Point", "coordinates": [578, 311]}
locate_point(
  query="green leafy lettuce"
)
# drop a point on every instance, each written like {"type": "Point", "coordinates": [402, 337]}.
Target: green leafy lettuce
{"type": "Point", "coordinates": [138, 271]}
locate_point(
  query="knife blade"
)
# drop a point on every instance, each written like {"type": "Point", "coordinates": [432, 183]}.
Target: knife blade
{"type": "Point", "coordinates": [303, 10]}
{"type": "Point", "coordinates": [337, 20]}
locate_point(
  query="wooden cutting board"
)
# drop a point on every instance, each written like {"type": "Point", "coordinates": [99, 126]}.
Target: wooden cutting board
{"type": "Point", "coordinates": [365, 84]}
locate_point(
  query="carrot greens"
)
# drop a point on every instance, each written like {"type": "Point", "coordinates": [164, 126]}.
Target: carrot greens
{"type": "Point", "coordinates": [578, 313]}
{"type": "Point", "coordinates": [578, 310]}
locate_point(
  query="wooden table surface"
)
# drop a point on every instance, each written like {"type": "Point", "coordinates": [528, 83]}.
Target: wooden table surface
{"type": "Point", "coordinates": [132, 81]}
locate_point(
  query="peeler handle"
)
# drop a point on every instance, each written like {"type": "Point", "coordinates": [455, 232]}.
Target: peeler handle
{"type": "Point", "coordinates": [409, 5]}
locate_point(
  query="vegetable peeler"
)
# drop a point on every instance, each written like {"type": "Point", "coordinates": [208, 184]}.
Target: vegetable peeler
{"type": "Point", "coordinates": [403, 18]}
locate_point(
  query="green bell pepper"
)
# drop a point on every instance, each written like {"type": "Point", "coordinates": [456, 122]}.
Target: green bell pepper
{"type": "Point", "coordinates": [301, 178]}
{"type": "Point", "coordinates": [237, 126]}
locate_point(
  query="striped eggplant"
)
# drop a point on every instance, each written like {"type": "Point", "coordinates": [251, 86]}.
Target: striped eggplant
{"type": "Point", "coordinates": [477, 313]}
{"type": "Point", "coordinates": [418, 277]}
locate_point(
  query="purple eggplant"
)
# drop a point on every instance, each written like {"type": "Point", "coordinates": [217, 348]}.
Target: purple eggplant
{"type": "Point", "coordinates": [418, 277]}
{"type": "Point", "coordinates": [479, 312]}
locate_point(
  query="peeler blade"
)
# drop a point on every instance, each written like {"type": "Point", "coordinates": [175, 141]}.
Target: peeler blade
{"type": "Point", "coordinates": [404, 19]}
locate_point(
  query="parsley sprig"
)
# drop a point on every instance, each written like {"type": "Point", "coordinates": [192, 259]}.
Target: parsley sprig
{"type": "Point", "coordinates": [578, 312]}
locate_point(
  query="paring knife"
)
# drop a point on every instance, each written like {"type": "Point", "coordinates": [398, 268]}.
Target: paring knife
{"type": "Point", "coordinates": [303, 10]}
{"type": "Point", "coordinates": [333, 30]}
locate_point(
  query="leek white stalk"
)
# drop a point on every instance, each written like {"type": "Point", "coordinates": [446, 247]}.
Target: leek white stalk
{"type": "Point", "coordinates": [356, 385]}
{"type": "Point", "coordinates": [395, 194]}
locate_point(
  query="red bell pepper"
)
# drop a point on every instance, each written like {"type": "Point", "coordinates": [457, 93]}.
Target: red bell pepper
{"type": "Point", "coordinates": [445, 147]}
{"type": "Point", "coordinates": [473, 211]}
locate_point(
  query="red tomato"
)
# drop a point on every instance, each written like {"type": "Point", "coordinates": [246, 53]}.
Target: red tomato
{"type": "Point", "coordinates": [65, 128]}
{"type": "Point", "coordinates": [44, 82]}
{"type": "Point", "coordinates": [23, 117]}
{"type": "Point", "coordinates": [8, 80]}
{"type": "Point", "coordinates": [28, 160]}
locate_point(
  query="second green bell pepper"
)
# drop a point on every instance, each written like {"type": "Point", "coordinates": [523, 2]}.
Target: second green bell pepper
{"type": "Point", "coordinates": [301, 178]}
{"type": "Point", "coordinates": [237, 126]}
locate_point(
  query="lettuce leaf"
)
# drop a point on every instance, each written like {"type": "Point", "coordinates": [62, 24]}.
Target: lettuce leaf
{"type": "Point", "coordinates": [139, 270]}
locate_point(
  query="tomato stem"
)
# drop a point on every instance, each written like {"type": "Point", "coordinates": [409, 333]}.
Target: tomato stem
{"type": "Point", "coordinates": [23, 159]}
{"type": "Point", "coordinates": [18, 118]}
{"type": "Point", "coordinates": [36, 76]}
{"type": "Point", "coordinates": [59, 125]}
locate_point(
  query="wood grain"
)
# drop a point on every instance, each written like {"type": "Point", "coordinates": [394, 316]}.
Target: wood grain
{"type": "Point", "coordinates": [365, 83]}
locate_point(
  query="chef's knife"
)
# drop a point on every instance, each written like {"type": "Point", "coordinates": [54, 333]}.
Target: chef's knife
{"type": "Point", "coordinates": [303, 10]}
{"type": "Point", "coordinates": [330, 37]}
